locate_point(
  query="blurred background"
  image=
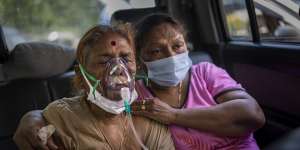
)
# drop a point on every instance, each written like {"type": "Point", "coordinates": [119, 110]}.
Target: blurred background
{"type": "Point", "coordinates": [61, 22]}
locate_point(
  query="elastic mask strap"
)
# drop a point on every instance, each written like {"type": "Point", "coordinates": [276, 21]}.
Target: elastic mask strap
{"type": "Point", "coordinates": [142, 77]}
{"type": "Point", "coordinates": [90, 77]}
{"type": "Point", "coordinates": [95, 86]}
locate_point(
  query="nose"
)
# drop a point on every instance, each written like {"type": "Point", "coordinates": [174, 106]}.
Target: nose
{"type": "Point", "coordinates": [119, 70]}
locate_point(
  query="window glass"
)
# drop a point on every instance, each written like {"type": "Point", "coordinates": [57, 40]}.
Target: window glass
{"type": "Point", "coordinates": [278, 20]}
{"type": "Point", "coordinates": [237, 19]}
{"type": "Point", "coordinates": [110, 6]}
{"type": "Point", "coordinates": [60, 21]}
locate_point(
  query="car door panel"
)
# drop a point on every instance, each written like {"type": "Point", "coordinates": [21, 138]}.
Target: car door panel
{"type": "Point", "coordinates": [270, 73]}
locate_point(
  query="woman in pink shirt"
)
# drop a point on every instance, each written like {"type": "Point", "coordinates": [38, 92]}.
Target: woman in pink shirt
{"type": "Point", "coordinates": [203, 106]}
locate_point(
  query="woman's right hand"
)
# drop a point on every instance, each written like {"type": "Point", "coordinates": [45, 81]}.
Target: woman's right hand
{"type": "Point", "coordinates": [26, 136]}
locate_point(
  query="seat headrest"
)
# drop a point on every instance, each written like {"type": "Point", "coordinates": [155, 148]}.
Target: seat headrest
{"type": "Point", "coordinates": [134, 15]}
{"type": "Point", "coordinates": [37, 60]}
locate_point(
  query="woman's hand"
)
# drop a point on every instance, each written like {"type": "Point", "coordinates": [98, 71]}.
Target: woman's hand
{"type": "Point", "coordinates": [26, 136]}
{"type": "Point", "coordinates": [154, 109]}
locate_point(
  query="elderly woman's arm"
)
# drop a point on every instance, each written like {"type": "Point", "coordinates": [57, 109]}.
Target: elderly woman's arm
{"type": "Point", "coordinates": [237, 114]}
{"type": "Point", "coordinates": [26, 136]}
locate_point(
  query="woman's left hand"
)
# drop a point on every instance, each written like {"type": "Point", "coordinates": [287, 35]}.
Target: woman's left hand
{"type": "Point", "coordinates": [154, 109]}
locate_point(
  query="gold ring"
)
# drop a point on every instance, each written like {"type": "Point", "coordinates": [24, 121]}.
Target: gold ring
{"type": "Point", "coordinates": [143, 107]}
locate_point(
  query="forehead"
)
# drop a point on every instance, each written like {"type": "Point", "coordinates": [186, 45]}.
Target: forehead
{"type": "Point", "coordinates": [111, 43]}
{"type": "Point", "coordinates": [165, 30]}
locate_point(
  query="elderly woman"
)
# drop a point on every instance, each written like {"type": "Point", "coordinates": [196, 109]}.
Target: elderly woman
{"type": "Point", "coordinates": [203, 106]}
{"type": "Point", "coordinates": [97, 120]}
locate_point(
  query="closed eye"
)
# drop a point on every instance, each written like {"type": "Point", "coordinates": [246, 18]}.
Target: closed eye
{"type": "Point", "coordinates": [103, 59]}
{"type": "Point", "coordinates": [155, 50]}
{"type": "Point", "coordinates": [177, 45]}
{"type": "Point", "coordinates": [126, 57]}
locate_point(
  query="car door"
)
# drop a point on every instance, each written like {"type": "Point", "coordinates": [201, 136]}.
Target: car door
{"type": "Point", "coordinates": [260, 47]}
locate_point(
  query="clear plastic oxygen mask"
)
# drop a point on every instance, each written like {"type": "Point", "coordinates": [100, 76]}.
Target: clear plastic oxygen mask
{"type": "Point", "coordinates": [117, 76]}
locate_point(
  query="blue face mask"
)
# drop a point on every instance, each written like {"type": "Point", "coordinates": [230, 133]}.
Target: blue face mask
{"type": "Point", "coordinates": [169, 71]}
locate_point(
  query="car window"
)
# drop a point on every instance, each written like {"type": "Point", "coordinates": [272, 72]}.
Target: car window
{"type": "Point", "coordinates": [237, 19]}
{"type": "Point", "coordinates": [278, 20]}
{"type": "Point", "coordinates": [60, 21]}
{"type": "Point", "coordinates": [110, 6]}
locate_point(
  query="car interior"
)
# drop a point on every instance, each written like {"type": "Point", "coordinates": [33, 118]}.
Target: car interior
{"type": "Point", "coordinates": [33, 74]}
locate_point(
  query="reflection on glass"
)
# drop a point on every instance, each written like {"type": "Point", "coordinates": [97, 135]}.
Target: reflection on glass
{"type": "Point", "coordinates": [278, 20]}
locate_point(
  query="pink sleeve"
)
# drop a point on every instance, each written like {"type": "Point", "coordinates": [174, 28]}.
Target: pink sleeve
{"type": "Point", "coordinates": [218, 80]}
{"type": "Point", "coordinates": [143, 92]}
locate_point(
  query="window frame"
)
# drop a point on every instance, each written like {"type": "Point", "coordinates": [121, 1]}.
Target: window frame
{"type": "Point", "coordinates": [256, 37]}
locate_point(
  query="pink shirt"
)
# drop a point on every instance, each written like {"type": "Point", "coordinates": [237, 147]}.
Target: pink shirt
{"type": "Point", "coordinates": [206, 82]}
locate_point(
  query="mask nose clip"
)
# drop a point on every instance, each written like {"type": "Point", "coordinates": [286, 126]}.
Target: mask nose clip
{"type": "Point", "coordinates": [117, 70]}
{"type": "Point", "coordinates": [117, 67]}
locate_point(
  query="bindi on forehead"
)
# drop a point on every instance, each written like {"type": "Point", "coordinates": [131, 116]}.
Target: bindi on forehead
{"type": "Point", "coordinates": [115, 40]}
{"type": "Point", "coordinates": [113, 43]}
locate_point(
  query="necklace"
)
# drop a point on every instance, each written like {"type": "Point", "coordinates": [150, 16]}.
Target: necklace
{"type": "Point", "coordinates": [123, 133]}
{"type": "Point", "coordinates": [100, 131]}
{"type": "Point", "coordinates": [125, 130]}
{"type": "Point", "coordinates": [179, 95]}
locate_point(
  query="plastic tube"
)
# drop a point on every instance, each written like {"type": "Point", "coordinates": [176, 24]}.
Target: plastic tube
{"type": "Point", "coordinates": [135, 133]}
{"type": "Point", "coordinates": [126, 95]}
